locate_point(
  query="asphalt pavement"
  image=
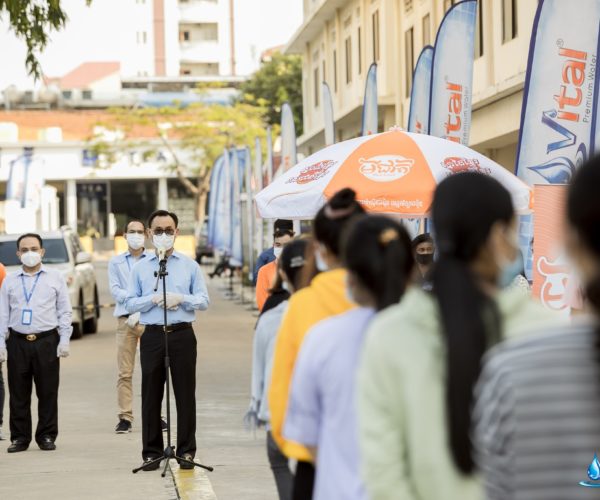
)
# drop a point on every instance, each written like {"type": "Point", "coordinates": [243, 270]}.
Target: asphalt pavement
{"type": "Point", "coordinates": [92, 462]}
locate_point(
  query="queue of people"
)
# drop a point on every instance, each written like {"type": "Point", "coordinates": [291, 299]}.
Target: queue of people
{"type": "Point", "coordinates": [423, 369]}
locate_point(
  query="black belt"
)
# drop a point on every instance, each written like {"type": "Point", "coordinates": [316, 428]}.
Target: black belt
{"type": "Point", "coordinates": [170, 328]}
{"type": "Point", "coordinates": [33, 336]}
{"type": "Point", "coordinates": [124, 316]}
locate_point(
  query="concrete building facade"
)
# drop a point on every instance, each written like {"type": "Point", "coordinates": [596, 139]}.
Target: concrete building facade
{"type": "Point", "coordinates": [339, 39]}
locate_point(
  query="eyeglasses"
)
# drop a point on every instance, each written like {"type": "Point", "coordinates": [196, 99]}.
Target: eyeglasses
{"type": "Point", "coordinates": [159, 231]}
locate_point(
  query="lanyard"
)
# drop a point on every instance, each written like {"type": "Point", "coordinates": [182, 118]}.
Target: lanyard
{"type": "Point", "coordinates": [30, 294]}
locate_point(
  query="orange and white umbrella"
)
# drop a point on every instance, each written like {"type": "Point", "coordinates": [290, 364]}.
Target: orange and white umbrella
{"type": "Point", "coordinates": [395, 172]}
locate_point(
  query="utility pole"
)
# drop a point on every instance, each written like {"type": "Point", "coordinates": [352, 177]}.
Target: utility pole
{"type": "Point", "coordinates": [232, 37]}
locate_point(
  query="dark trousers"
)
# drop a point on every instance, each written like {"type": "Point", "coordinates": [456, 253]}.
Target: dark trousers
{"type": "Point", "coordinates": [2, 395]}
{"type": "Point", "coordinates": [304, 481]}
{"type": "Point", "coordinates": [28, 363]}
{"type": "Point", "coordinates": [280, 468]}
{"type": "Point", "coordinates": [182, 354]}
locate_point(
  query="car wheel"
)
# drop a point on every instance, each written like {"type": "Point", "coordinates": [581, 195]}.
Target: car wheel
{"type": "Point", "coordinates": [91, 325]}
{"type": "Point", "coordinates": [78, 326]}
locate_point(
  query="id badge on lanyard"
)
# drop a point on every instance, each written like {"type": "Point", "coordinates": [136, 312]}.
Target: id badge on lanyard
{"type": "Point", "coordinates": [27, 313]}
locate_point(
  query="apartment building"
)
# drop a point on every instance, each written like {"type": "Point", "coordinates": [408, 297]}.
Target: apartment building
{"type": "Point", "coordinates": [339, 39]}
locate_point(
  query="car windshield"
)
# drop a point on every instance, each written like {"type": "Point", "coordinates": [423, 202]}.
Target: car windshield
{"type": "Point", "coordinates": [56, 252]}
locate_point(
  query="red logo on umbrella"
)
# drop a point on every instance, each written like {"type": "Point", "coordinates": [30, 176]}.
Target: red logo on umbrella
{"type": "Point", "coordinates": [312, 172]}
{"type": "Point", "coordinates": [457, 165]}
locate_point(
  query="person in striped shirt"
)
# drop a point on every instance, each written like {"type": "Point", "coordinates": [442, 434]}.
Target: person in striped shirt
{"type": "Point", "coordinates": [536, 427]}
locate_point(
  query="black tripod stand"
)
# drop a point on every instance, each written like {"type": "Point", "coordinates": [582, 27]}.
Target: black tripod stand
{"type": "Point", "coordinates": [169, 452]}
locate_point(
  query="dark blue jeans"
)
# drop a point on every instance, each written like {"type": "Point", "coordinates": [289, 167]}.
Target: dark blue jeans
{"type": "Point", "coordinates": [1, 395]}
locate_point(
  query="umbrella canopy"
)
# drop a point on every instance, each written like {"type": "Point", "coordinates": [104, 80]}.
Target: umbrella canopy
{"type": "Point", "coordinates": [395, 172]}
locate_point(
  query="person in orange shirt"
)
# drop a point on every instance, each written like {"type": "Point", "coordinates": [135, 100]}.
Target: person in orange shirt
{"type": "Point", "coordinates": [268, 272]}
{"type": "Point", "coordinates": [323, 298]}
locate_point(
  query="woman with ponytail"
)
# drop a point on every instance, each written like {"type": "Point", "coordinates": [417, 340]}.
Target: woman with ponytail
{"type": "Point", "coordinates": [324, 297]}
{"type": "Point", "coordinates": [538, 399]}
{"type": "Point", "coordinates": [322, 409]}
{"type": "Point", "coordinates": [422, 357]}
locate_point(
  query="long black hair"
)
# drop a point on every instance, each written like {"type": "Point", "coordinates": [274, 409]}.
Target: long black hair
{"type": "Point", "coordinates": [583, 212]}
{"type": "Point", "coordinates": [377, 250]}
{"type": "Point", "coordinates": [333, 218]}
{"type": "Point", "coordinates": [465, 208]}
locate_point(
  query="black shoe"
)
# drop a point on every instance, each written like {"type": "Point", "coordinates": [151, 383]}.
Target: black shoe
{"type": "Point", "coordinates": [47, 444]}
{"type": "Point", "coordinates": [163, 424]}
{"type": "Point", "coordinates": [123, 427]}
{"type": "Point", "coordinates": [17, 446]}
{"type": "Point", "coordinates": [149, 466]}
{"type": "Point", "coordinates": [185, 465]}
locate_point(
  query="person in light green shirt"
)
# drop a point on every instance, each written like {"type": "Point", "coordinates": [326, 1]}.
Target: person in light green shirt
{"type": "Point", "coordinates": [422, 357]}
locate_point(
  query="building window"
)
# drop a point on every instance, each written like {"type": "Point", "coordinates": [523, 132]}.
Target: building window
{"type": "Point", "coordinates": [335, 82]}
{"type": "Point", "coordinates": [509, 20]}
{"type": "Point", "coordinates": [359, 44]}
{"type": "Point", "coordinates": [184, 36]}
{"type": "Point", "coordinates": [409, 58]}
{"type": "Point", "coordinates": [375, 22]}
{"type": "Point", "coordinates": [426, 30]}
{"type": "Point", "coordinates": [317, 87]}
{"type": "Point", "coordinates": [348, 54]}
{"type": "Point", "coordinates": [448, 4]}
{"type": "Point", "coordinates": [144, 37]}
{"type": "Point", "coordinates": [408, 5]}
{"type": "Point", "coordinates": [479, 30]}
{"type": "Point", "coordinates": [208, 32]}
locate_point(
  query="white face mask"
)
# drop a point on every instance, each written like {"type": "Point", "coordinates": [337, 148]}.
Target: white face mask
{"type": "Point", "coordinates": [135, 241]}
{"type": "Point", "coordinates": [163, 242]}
{"type": "Point", "coordinates": [320, 262]}
{"type": "Point", "coordinates": [31, 259]}
{"type": "Point", "coordinates": [277, 251]}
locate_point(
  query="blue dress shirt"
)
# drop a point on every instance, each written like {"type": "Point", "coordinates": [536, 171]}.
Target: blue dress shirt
{"type": "Point", "coordinates": [264, 258]}
{"type": "Point", "coordinates": [119, 272]}
{"type": "Point", "coordinates": [185, 278]}
{"type": "Point", "coordinates": [49, 304]}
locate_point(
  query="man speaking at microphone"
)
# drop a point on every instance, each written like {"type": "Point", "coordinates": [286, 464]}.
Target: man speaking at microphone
{"type": "Point", "coordinates": [186, 293]}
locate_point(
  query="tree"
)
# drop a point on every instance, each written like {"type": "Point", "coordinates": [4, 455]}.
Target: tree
{"type": "Point", "coordinates": [33, 21]}
{"type": "Point", "coordinates": [277, 81]}
{"type": "Point", "coordinates": [194, 136]}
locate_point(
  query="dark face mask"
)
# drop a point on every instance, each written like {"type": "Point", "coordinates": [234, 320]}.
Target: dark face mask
{"type": "Point", "coordinates": [424, 259]}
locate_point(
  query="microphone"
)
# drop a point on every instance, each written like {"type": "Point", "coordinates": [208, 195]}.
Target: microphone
{"type": "Point", "coordinates": [162, 254]}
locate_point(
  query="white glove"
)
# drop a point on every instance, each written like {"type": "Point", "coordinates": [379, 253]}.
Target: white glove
{"type": "Point", "coordinates": [3, 354]}
{"type": "Point", "coordinates": [173, 301]}
{"type": "Point", "coordinates": [133, 320]}
{"type": "Point", "coordinates": [157, 299]}
{"type": "Point", "coordinates": [62, 351]}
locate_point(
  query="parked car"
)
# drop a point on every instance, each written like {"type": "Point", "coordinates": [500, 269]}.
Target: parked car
{"type": "Point", "coordinates": [203, 249]}
{"type": "Point", "coordinates": [64, 253]}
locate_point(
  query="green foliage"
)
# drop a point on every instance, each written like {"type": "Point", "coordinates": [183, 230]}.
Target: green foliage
{"type": "Point", "coordinates": [33, 21]}
{"type": "Point", "coordinates": [277, 81]}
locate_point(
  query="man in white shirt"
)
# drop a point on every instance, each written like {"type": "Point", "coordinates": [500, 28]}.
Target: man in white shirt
{"type": "Point", "coordinates": [128, 329]}
{"type": "Point", "coordinates": [35, 328]}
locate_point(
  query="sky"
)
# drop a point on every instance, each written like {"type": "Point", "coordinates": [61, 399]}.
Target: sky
{"type": "Point", "coordinates": [259, 25]}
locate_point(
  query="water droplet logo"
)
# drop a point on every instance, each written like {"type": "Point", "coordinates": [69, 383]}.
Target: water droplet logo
{"type": "Point", "coordinates": [593, 473]}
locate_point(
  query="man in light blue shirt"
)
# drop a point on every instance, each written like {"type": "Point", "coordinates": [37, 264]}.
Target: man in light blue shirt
{"type": "Point", "coordinates": [128, 328]}
{"type": "Point", "coordinates": [35, 309]}
{"type": "Point", "coordinates": [186, 294]}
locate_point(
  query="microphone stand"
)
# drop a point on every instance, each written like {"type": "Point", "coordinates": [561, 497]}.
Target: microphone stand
{"type": "Point", "coordinates": [169, 452]}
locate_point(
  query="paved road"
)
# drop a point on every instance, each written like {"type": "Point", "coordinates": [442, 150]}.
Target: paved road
{"type": "Point", "coordinates": [92, 462]}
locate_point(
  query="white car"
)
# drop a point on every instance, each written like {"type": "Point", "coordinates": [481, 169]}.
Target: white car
{"type": "Point", "coordinates": [64, 253]}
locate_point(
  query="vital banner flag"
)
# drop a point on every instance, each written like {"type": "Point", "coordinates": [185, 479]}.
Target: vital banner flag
{"type": "Point", "coordinates": [270, 166]}
{"type": "Point", "coordinates": [559, 100]}
{"type": "Point", "coordinates": [370, 113]}
{"type": "Point", "coordinates": [238, 164]}
{"type": "Point", "coordinates": [257, 188]}
{"type": "Point", "coordinates": [215, 173]}
{"type": "Point", "coordinates": [328, 121]}
{"type": "Point", "coordinates": [288, 138]}
{"type": "Point", "coordinates": [559, 103]}
{"type": "Point", "coordinates": [26, 180]}
{"type": "Point", "coordinates": [452, 74]}
{"type": "Point", "coordinates": [222, 231]}
{"type": "Point", "coordinates": [249, 200]}
{"type": "Point", "coordinates": [418, 116]}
